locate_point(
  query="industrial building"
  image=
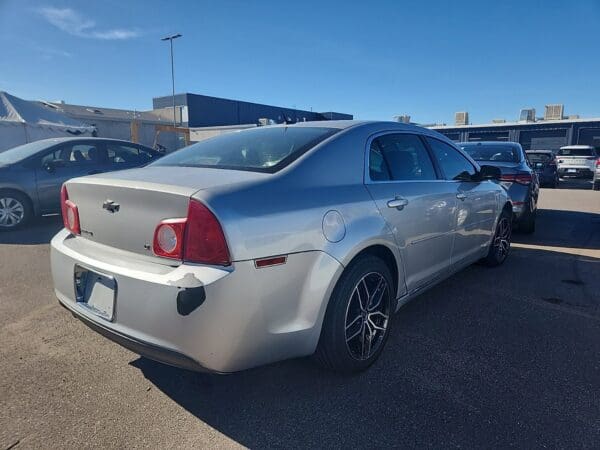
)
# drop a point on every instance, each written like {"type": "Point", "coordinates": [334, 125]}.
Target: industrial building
{"type": "Point", "coordinates": [194, 110]}
{"type": "Point", "coordinates": [549, 132]}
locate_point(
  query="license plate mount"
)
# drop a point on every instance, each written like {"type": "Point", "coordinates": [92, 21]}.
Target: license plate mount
{"type": "Point", "coordinates": [96, 292]}
{"type": "Point", "coordinates": [571, 170]}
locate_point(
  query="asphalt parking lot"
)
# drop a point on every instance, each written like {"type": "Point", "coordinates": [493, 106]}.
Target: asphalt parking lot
{"type": "Point", "coordinates": [488, 358]}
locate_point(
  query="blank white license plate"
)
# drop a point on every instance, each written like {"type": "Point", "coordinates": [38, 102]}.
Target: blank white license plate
{"type": "Point", "coordinates": [571, 170]}
{"type": "Point", "coordinates": [96, 292]}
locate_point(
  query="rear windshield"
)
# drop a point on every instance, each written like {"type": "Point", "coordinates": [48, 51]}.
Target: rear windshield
{"type": "Point", "coordinates": [577, 152]}
{"type": "Point", "coordinates": [265, 149]}
{"type": "Point", "coordinates": [499, 153]}
{"type": "Point", "coordinates": [539, 157]}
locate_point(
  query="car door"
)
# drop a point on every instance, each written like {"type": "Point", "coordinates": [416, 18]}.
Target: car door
{"type": "Point", "coordinates": [66, 161]}
{"type": "Point", "coordinates": [477, 202]}
{"type": "Point", "coordinates": [417, 205]}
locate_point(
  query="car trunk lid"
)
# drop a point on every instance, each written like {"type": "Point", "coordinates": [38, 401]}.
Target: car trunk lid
{"type": "Point", "coordinates": [123, 209]}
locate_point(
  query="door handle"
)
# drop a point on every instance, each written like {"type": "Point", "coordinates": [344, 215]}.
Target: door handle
{"type": "Point", "coordinates": [399, 203]}
{"type": "Point", "coordinates": [461, 196]}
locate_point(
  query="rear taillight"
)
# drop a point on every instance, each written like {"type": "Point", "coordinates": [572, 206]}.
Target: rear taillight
{"type": "Point", "coordinates": [521, 178]}
{"type": "Point", "coordinates": [198, 238]}
{"type": "Point", "coordinates": [598, 162]}
{"type": "Point", "coordinates": [70, 214]}
{"type": "Point", "coordinates": [168, 238]}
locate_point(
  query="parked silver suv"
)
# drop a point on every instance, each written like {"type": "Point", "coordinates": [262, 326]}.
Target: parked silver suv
{"type": "Point", "coordinates": [577, 161]}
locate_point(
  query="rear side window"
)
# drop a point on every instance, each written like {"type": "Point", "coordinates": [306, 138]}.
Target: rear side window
{"type": "Point", "coordinates": [264, 149]}
{"type": "Point", "coordinates": [125, 154]}
{"type": "Point", "coordinates": [454, 165]}
{"type": "Point", "coordinates": [399, 157]}
{"type": "Point", "coordinates": [576, 152]}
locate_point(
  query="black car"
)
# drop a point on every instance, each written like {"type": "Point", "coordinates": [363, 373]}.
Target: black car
{"type": "Point", "coordinates": [517, 177]}
{"type": "Point", "coordinates": [31, 175]}
{"type": "Point", "coordinates": [544, 164]}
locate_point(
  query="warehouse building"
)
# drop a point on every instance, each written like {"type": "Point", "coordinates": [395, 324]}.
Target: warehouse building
{"type": "Point", "coordinates": [194, 110]}
{"type": "Point", "coordinates": [549, 132]}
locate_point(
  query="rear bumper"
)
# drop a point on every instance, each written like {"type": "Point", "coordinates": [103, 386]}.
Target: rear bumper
{"type": "Point", "coordinates": [575, 172]}
{"type": "Point", "coordinates": [249, 316]}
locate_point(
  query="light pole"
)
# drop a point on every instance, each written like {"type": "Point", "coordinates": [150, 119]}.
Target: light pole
{"type": "Point", "coordinates": [170, 39]}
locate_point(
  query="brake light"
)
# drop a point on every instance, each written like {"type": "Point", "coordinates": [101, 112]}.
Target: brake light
{"type": "Point", "coordinates": [598, 162]}
{"type": "Point", "coordinates": [204, 238]}
{"type": "Point", "coordinates": [197, 238]}
{"type": "Point", "coordinates": [521, 178]}
{"type": "Point", "coordinates": [70, 214]}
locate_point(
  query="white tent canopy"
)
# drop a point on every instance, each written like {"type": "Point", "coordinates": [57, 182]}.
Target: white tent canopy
{"type": "Point", "coordinates": [22, 121]}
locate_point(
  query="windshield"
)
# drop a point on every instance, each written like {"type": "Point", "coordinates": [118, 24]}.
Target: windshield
{"type": "Point", "coordinates": [499, 153]}
{"type": "Point", "coordinates": [576, 152]}
{"type": "Point", "coordinates": [22, 152]}
{"type": "Point", "coordinates": [265, 149]}
{"type": "Point", "coordinates": [539, 157]}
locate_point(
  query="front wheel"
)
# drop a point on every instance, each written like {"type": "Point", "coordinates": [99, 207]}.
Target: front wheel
{"type": "Point", "coordinates": [500, 245]}
{"type": "Point", "coordinates": [358, 317]}
{"type": "Point", "coordinates": [596, 186]}
{"type": "Point", "coordinates": [15, 210]}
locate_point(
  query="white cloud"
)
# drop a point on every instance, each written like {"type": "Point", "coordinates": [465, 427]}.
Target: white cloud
{"type": "Point", "coordinates": [70, 21]}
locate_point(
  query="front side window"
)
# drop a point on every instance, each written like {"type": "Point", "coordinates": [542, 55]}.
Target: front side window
{"type": "Point", "coordinates": [399, 157]}
{"type": "Point", "coordinates": [264, 149]}
{"type": "Point", "coordinates": [454, 165]}
{"type": "Point", "coordinates": [70, 155]}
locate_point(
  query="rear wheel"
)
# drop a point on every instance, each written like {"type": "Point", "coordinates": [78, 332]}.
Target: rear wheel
{"type": "Point", "coordinates": [596, 186]}
{"type": "Point", "coordinates": [500, 245]}
{"type": "Point", "coordinates": [15, 210]}
{"type": "Point", "coordinates": [357, 322]}
{"type": "Point", "coordinates": [527, 223]}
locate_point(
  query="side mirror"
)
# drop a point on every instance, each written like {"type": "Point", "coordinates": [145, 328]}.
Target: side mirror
{"type": "Point", "coordinates": [489, 173]}
{"type": "Point", "coordinates": [49, 167]}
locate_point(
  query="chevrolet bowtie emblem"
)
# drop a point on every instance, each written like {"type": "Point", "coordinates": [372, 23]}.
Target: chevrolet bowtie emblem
{"type": "Point", "coordinates": [111, 206]}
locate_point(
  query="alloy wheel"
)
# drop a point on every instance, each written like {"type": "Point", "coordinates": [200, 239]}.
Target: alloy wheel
{"type": "Point", "coordinates": [12, 212]}
{"type": "Point", "coordinates": [502, 238]}
{"type": "Point", "coordinates": [367, 316]}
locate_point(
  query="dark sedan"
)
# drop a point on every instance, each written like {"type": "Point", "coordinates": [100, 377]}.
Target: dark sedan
{"type": "Point", "coordinates": [517, 177]}
{"type": "Point", "coordinates": [544, 164]}
{"type": "Point", "coordinates": [31, 175]}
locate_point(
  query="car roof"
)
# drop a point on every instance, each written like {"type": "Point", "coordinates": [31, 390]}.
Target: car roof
{"type": "Point", "coordinates": [60, 140]}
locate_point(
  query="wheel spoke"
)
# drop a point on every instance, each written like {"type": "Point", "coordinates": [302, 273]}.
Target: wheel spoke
{"type": "Point", "coordinates": [377, 294]}
{"type": "Point", "coordinates": [356, 319]}
{"type": "Point", "coordinates": [359, 331]}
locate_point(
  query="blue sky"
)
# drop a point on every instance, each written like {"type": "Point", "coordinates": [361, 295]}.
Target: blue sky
{"type": "Point", "coordinates": [374, 59]}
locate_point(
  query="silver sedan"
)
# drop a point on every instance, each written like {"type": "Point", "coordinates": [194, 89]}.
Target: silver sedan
{"type": "Point", "coordinates": [275, 242]}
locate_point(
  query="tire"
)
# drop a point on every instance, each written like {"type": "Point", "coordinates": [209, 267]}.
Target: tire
{"type": "Point", "coordinates": [15, 210]}
{"type": "Point", "coordinates": [354, 334]}
{"type": "Point", "coordinates": [500, 245]}
{"type": "Point", "coordinates": [527, 223]}
{"type": "Point", "coordinates": [596, 186]}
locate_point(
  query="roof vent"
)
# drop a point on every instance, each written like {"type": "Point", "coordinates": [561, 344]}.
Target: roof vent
{"type": "Point", "coordinates": [527, 115]}
{"type": "Point", "coordinates": [554, 112]}
{"type": "Point", "coordinates": [93, 110]}
{"type": "Point", "coordinates": [403, 118]}
{"type": "Point", "coordinates": [498, 120]}
{"type": "Point", "coordinates": [461, 118]}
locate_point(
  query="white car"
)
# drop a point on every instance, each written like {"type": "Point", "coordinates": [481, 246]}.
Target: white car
{"type": "Point", "coordinates": [577, 161]}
